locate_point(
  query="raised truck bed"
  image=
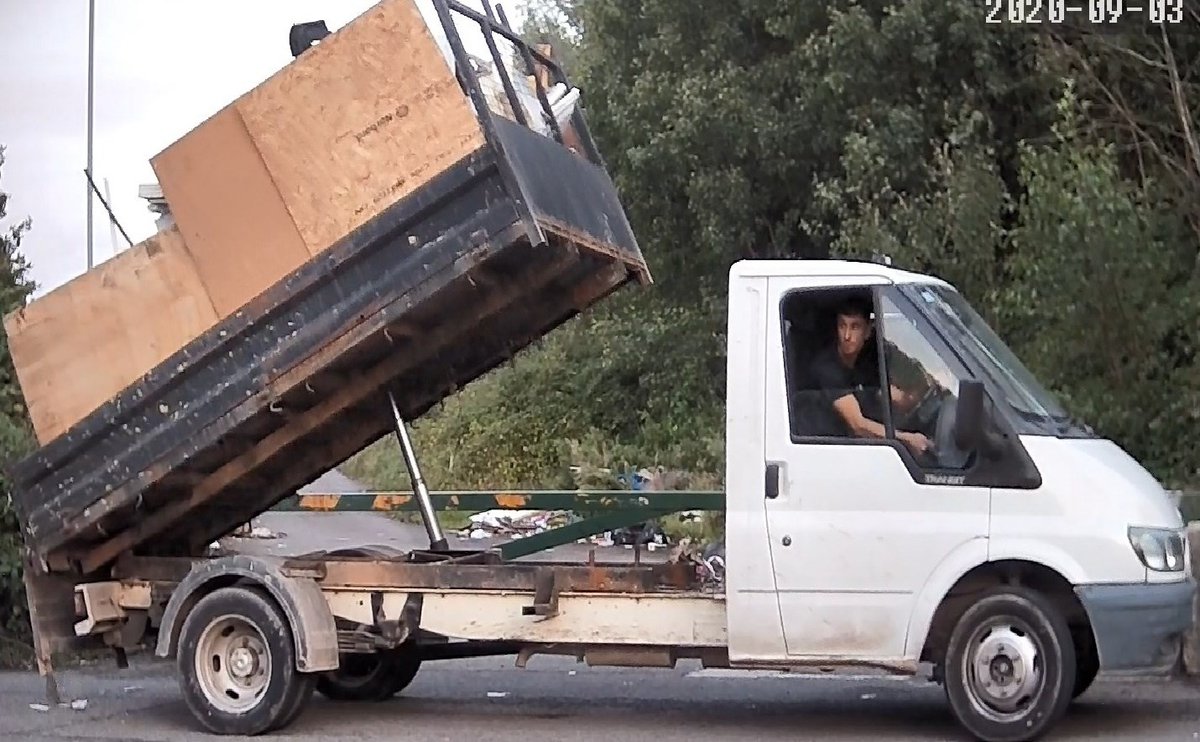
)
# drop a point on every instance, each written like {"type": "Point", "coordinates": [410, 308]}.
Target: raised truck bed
{"type": "Point", "coordinates": [449, 281]}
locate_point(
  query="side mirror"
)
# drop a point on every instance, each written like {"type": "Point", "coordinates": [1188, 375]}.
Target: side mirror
{"type": "Point", "coordinates": [968, 415]}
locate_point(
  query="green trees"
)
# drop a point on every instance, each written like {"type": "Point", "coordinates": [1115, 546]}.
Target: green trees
{"type": "Point", "coordinates": [15, 435]}
{"type": "Point", "coordinates": [1054, 178]}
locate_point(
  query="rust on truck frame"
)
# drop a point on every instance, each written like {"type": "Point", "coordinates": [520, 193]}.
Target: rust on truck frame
{"type": "Point", "coordinates": [454, 571]}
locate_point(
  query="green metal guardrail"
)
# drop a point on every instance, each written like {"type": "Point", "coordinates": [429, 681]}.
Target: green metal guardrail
{"type": "Point", "coordinates": [600, 510]}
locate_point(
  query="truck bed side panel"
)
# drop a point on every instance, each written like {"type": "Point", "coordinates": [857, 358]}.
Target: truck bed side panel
{"type": "Point", "coordinates": [172, 411]}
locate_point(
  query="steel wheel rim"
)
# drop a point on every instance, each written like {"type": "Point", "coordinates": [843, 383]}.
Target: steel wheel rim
{"type": "Point", "coordinates": [233, 664]}
{"type": "Point", "coordinates": [1004, 669]}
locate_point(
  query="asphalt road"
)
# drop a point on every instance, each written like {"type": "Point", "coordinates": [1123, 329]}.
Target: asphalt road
{"type": "Point", "coordinates": [556, 700]}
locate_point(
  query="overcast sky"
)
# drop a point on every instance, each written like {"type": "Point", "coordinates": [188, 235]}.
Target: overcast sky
{"type": "Point", "coordinates": [161, 67]}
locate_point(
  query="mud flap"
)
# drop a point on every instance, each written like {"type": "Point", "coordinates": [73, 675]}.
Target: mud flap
{"type": "Point", "coordinates": [51, 602]}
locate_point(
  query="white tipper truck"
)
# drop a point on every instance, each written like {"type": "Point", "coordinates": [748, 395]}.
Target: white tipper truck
{"type": "Point", "coordinates": [1013, 558]}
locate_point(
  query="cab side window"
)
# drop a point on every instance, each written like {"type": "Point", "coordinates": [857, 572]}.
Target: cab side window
{"type": "Point", "coordinates": [830, 352]}
{"type": "Point", "coordinates": [838, 389]}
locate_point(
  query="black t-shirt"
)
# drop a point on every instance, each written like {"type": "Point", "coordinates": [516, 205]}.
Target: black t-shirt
{"type": "Point", "coordinates": [836, 380]}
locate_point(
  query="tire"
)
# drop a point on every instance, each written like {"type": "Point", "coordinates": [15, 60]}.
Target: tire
{"type": "Point", "coordinates": [249, 683]}
{"type": "Point", "coordinates": [369, 677]}
{"type": "Point", "coordinates": [359, 677]}
{"type": "Point", "coordinates": [405, 666]}
{"type": "Point", "coordinates": [1087, 666]}
{"type": "Point", "coordinates": [1009, 632]}
{"type": "Point", "coordinates": [308, 683]}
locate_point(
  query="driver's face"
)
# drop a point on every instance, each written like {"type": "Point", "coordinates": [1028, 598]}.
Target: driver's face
{"type": "Point", "coordinates": [852, 333]}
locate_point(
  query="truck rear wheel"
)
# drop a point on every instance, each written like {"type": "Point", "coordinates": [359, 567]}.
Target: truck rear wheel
{"type": "Point", "coordinates": [369, 677]}
{"type": "Point", "coordinates": [1010, 666]}
{"type": "Point", "coordinates": [237, 664]}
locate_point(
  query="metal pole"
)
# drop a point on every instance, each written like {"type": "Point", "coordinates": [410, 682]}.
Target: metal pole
{"type": "Point", "coordinates": [90, 86]}
{"type": "Point", "coordinates": [437, 541]}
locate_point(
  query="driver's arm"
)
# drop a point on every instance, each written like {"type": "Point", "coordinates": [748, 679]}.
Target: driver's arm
{"type": "Point", "coordinates": [861, 425]}
{"type": "Point", "coordinates": [865, 427]}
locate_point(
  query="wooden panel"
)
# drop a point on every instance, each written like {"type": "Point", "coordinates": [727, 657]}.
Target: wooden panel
{"type": "Point", "coordinates": [239, 232]}
{"type": "Point", "coordinates": [359, 121]}
{"type": "Point", "coordinates": [84, 342]}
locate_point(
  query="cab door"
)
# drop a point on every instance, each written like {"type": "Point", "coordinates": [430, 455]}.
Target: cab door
{"type": "Point", "coordinates": [856, 526]}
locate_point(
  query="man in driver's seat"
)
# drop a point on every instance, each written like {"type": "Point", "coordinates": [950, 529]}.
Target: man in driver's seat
{"type": "Point", "coordinates": [849, 379]}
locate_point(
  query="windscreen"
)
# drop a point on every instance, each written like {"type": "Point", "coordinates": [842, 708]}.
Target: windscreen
{"type": "Point", "coordinates": [967, 330]}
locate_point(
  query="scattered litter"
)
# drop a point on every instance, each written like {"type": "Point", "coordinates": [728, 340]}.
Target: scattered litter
{"type": "Point", "coordinates": [647, 534]}
{"type": "Point", "coordinates": [79, 704]}
{"type": "Point", "coordinates": [249, 530]}
{"type": "Point", "coordinates": [519, 524]}
{"type": "Point", "coordinates": [39, 707]}
{"type": "Point", "coordinates": [497, 694]}
{"type": "Point", "coordinates": [514, 523]}
{"type": "Point", "coordinates": [707, 561]}
{"type": "Point", "coordinates": [572, 672]}
{"type": "Point", "coordinates": [131, 688]}
{"type": "Point", "coordinates": [868, 696]}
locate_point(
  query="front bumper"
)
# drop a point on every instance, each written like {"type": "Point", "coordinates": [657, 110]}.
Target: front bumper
{"type": "Point", "coordinates": [1139, 627]}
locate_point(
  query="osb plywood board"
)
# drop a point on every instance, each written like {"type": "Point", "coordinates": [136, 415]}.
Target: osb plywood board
{"type": "Point", "coordinates": [359, 121]}
{"type": "Point", "coordinates": [225, 204]}
{"type": "Point", "coordinates": [84, 342]}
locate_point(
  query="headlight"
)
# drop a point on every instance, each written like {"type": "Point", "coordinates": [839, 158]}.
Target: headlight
{"type": "Point", "coordinates": [1160, 549]}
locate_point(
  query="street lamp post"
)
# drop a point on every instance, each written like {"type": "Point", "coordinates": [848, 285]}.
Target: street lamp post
{"type": "Point", "coordinates": [90, 85]}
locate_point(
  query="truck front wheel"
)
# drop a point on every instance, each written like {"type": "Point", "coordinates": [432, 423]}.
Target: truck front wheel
{"type": "Point", "coordinates": [237, 664]}
{"type": "Point", "coordinates": [1087, 661]}
{"type": "Point", "coordinates": [1010, 666]}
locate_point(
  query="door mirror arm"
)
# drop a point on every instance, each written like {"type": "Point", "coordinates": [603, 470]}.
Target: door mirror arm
{"type": "Point", "coordinates": [972, 424]}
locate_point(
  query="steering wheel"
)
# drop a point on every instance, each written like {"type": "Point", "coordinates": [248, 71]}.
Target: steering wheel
{"type": "Point", "coordinates": [923, 415]}
{"type": "Point", "coordinates": [934, 416]}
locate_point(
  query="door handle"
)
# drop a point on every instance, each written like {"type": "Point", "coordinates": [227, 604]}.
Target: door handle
{"type": "Point", "coordinates": [772, 483]}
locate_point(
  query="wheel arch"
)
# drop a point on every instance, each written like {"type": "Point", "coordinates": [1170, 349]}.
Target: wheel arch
{"type": "Point", "coordinates": [1048, 580]}
{"type": "Point", "coordinates": [313, 629]}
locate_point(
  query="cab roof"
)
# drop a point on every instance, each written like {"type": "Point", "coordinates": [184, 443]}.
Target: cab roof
{"type": "Point", "coordinates": [828, 268]}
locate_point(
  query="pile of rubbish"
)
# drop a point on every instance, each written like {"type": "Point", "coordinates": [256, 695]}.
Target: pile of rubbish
{"type": "Point", "coordinates": [249, 530]}
{"type": "Point", "coordinates": [515, 523]}
{"type": "Point", "coordinates": [246, 530]}
{"type": "Point", "coordinates": [707, 561]}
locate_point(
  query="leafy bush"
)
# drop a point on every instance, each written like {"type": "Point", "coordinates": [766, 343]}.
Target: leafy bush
{"type": "Point", "coordinates": [15, 442]}
{"type": "Point", "coordinates": [1053, 181]}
